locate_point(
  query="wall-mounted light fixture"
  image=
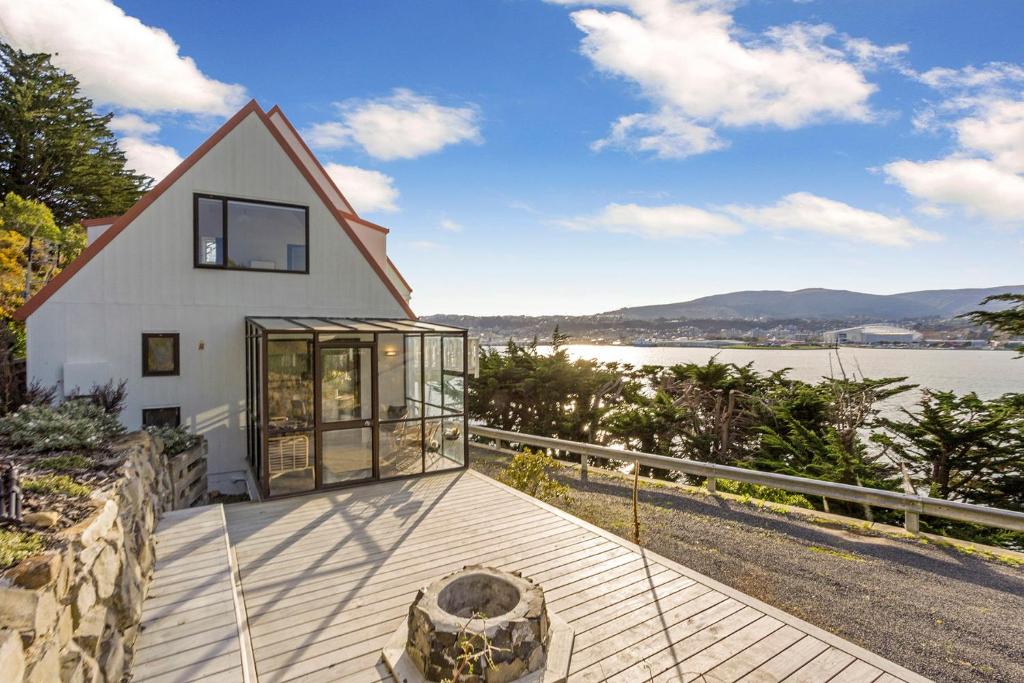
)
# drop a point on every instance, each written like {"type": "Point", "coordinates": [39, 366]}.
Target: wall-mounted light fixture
{"type": "Point", "coordinates": [390, 352]}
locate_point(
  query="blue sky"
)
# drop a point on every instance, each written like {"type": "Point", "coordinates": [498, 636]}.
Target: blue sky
{"type": "Point", "coordinates": [574, 157]}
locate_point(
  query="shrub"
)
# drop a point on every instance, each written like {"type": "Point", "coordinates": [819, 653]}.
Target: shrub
{"type": "Point", "coordinates": [17, 545]}
{"type": "Point", "coordinates": [176, 439]}
{"type": "Point", "coordinates": [110, 397]}
{"type": "Point", "coordinates": [55, 483]}
{"type": "Point", "coordinates": [71, 426]}
{"type": "Point", "coordinates": [528, 472]}
{"type": "Point", "coordinates": [65, 463]}
{"type": "Point", "coordinates": [36, 394]}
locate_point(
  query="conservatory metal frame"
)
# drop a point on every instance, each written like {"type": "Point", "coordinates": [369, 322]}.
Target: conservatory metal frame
{"type": "Point", "coordinates": [335, 332]}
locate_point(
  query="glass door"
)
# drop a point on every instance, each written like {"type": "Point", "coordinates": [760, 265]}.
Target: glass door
{"type": "Point", "coordinates": [346, 406]}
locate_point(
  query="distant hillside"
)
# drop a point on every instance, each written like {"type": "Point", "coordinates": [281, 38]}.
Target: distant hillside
{"type": "Point", "coordinates": [820, 304]}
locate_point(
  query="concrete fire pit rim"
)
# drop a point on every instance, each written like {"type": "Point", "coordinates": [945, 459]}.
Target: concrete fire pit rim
{"type": "Point", "coordinates": [445, 620]}
{"type": "Point", "coordinates": [556, 665]}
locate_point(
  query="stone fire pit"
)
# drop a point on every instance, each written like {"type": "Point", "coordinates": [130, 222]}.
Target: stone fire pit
{"type": "Point", "coordinates": [480, 604]}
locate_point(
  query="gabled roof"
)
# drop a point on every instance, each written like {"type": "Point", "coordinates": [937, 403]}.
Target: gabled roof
{"type": "Point", "coordinates": [123, 221]}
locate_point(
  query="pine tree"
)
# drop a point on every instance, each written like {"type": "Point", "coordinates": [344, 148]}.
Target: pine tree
{"type": "Point", "coordinates": [54, 148]}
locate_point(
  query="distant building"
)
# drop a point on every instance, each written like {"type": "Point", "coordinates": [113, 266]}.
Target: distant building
{"type": "Point", "coordinates": [873, 334]}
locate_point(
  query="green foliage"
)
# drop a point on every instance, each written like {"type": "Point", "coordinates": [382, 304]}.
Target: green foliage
{"type": "Point", "coordinates": [544, 394]}
{"type": "Point", "coordinates": [176, 439]}
{"type": "Point", "coordinates": [958, 447]}
{"type": "Point", "coordinates": [765, 493]}
{"type": "Point", "coordinates": [528, 472]}
{"type": "Point", "coordinates": [55, 483]}
{"type": "Point", "coordinates": [54, 148]}
{"type": "Point", "coordinates": [65, 463]}
{"type": "Point", "coordinates": [17, 545]}
{"type": "Point", "coordinates": [28, 218]}
{"type": "Point", "coordinates": [1009, 321]}
{"type": "Point", "coordinates": [71, 426]}
{"type": "Point", "coordinates": [961, 447]}
{"type": "Point", "coordinates": [34, 222]}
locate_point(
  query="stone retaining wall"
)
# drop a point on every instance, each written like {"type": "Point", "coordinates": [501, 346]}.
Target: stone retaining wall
{"type": "Point", "coordinates": [73, 614]}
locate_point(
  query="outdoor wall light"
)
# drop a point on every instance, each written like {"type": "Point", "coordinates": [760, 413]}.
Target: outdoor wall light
{"type": "Point", "coordinates": [389, 352]}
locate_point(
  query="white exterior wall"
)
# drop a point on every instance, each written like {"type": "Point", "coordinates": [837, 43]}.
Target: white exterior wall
{"type": "Point", "coordinates": [93, 232]}
{"type": "Point", "coordinates": [144, 281]}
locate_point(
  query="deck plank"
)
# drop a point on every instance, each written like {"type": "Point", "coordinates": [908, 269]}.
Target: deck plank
{"type": "Point", "coordinates": [327, 578]}
{"type": "Point", "coordinates": [190, 630]}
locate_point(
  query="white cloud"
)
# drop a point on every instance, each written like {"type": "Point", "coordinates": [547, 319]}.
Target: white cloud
{"type": "Point", "coordinates": [403, 125]}
{"type": "Point", "coordinates": [448, 225]}
{"type": "Point", "coordinates": [367, 190]}
{"type": "Point", "coordinates": [151, 158]}
{"type": "Point", "coordinates": [806, 212]}
{"type": "Point", "coordinates": [656, 222]}
{"type": "Point", "coordinates": [133, 124]}
{"type": "Point", "coordinates": [980, 186]}
{"type": "Point", "coordinates": [667, 134]}
{"type": "Point", "coordinates": [994, 74]}
{"type": "Point", "coordinates": [997, 131]}
{"type": "Point", "coordinates": [117, 59]}
{"type": "Point", "coordinates": [983, 109]}
{"type": "Point", "coordinates": [797, 212]}
{"type": "Point", "coordinates": [700, 72]}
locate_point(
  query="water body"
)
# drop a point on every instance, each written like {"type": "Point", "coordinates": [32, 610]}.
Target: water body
{"type": "Point", "coordinates": [987, 373]}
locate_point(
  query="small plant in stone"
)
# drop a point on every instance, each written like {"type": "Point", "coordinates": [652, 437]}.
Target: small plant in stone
{"type": "Point", "coordinates": [176, 439]}
{"type": "Point", "coordinates": [476, 652]}
{"type": "Point", "coordinates": [528, 472]}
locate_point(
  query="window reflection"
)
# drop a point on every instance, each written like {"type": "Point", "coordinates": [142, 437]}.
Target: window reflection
{"type": "Point", "coordinates": [345, 388]}
{"type": "Point", "coordinates": [289, 384]}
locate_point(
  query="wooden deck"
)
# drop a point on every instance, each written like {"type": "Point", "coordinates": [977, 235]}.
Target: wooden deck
{"type": "Point", "coordinates": [327, 578]}
{"type": "Point", "coordinates": [191, 627]}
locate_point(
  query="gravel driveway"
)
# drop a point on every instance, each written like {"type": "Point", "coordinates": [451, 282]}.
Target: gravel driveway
{"type": "Point", "coordinates": [944, 613]}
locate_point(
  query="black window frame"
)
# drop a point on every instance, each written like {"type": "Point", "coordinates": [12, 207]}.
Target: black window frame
{"type": "Point", "coordinates": [146, 336]}
{"type": "Point", "coordinates": [177, 416]}
{"type": "Point", "coordinates": [224, 199]}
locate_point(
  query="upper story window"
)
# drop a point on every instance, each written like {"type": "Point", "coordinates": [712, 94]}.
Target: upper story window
{"type": "Point", "coordinates": [245, 235]}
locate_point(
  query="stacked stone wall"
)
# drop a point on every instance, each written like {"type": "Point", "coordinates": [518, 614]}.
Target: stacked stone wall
{"type": "Point", "coordinates": [72, 614]}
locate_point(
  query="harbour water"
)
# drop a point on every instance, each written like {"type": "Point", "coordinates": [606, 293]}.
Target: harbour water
{"type": "Point", "coordinates": [987, 373]}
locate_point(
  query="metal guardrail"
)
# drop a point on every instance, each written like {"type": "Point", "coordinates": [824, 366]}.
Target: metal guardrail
{"type": "Point", "coordinates": [913, 506]}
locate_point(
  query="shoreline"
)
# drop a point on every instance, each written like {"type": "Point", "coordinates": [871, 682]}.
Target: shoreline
{"type": "Point", "coordinates": [766, 347]}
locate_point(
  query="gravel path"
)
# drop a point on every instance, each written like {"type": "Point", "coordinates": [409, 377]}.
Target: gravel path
{"type": "Point", "coordinates": [941, 612]}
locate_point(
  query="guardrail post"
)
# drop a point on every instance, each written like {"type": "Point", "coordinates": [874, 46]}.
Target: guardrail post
{"type": "Point", "coordinates": [712, 485]}
{"type": "Point", "coordinates": [584, 464]}
{"type": "Point", "coordinates": [912, 522]}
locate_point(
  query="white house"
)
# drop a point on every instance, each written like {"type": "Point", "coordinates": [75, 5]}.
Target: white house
{"type": "Point", "coordinates": [244, 298]}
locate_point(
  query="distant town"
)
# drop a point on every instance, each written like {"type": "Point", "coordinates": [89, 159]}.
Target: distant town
{"type": "Point", "coordinates": [616, 330]}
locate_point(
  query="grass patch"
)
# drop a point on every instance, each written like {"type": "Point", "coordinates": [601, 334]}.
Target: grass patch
{"type": "Point", "coordinates": [836, 553]}
{"type": "Point", "coordinates": [56, 483]}
{"type": "Point", "coordinates": [17, 545]}
{"type": "Point", "coordinates": [770, 495]}
{"type": "Point", "coordinates": [66, 463]}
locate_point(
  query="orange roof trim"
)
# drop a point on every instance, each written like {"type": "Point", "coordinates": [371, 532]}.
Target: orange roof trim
{"type": "Point", "coordinates": [351, 215]}
{"type": "Point", "coordinates": [103, 220]}
{"type": "Point", "coordinates": [121, 222]}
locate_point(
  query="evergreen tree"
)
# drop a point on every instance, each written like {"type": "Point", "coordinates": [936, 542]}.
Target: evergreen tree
{"type": "Point", "coordinates": [54, 148]}
{"type": "Point", "coordinates": [960, 447]}
{"type": "Point", "coordinates": [1009, 321]}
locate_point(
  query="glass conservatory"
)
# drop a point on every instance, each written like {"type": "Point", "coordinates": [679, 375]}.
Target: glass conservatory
{"type": "Point", "coordinates": [333, 402]}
